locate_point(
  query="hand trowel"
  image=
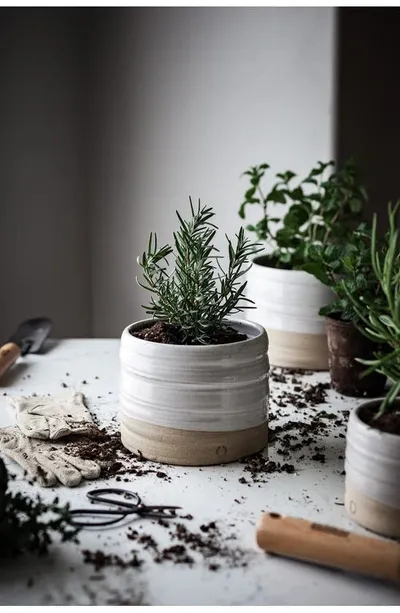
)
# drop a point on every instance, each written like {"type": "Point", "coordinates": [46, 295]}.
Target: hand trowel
{"type": "Point", "coordinates": [316, 543]}
{"type": "Point", "coordinates": [28, 338]}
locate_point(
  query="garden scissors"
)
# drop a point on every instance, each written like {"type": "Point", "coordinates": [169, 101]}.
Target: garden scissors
{"type": "Point", "coordinates": [125, 502]}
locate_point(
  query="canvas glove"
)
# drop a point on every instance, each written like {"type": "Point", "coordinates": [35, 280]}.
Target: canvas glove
{"type": "Point", "coordinates": [46, 461]}
{"type": "Point", "coordinates": [51, 417]}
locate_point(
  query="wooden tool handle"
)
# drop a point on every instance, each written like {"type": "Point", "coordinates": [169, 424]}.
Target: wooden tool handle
{"type": "Point", "coordinates": [329, 546]}
{"type": "Point", "coordinates": [9, 353]}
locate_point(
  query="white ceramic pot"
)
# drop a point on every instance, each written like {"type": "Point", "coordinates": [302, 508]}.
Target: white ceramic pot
{"type": "Point", "coordinates": [372, 488]}
{"type": "Point", "coordinates": [287, 304]}
{"type": "Point", "coordinates": [194, 405]}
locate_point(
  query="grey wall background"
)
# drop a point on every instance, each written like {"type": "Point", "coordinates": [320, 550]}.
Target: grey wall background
{"type": "Point", "coordinates": [111, 118]}
{"type": "Point", "coordinates": [43, 210]}
{"type": "Point", "coordinates": [186, 100]}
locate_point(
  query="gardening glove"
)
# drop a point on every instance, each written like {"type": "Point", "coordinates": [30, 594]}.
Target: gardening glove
{"type": "Point", "coordinates": [46, 461]}
{"type": "Point", "coordinates": [51, 417]}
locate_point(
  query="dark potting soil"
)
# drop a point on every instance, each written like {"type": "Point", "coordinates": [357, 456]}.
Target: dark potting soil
{"type": "Point", "coordinates": [100, 560]}
{"type": "Point", "coordinates": [161, 332]}
{"type": "Point", "coordinates": [304, 433]}
{"type": "Point", "coordinates": [259, 467]}
{"type": "Point", "coordinates": [107, 450]}
{"type": "Point", "coordinates": [208, 544]}
{"type": "Point", "coordinates": [389, 422]}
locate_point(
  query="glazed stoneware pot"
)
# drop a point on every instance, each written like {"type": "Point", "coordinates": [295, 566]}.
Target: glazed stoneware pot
{"type": "Point", "coordinates": [345, 344]}
{"type": "Point", "coordinates": [287, 306]}
{"type": "Point", "coordinates": [194, 404]}
{"type": "Point", "coordinates": [372, 487]}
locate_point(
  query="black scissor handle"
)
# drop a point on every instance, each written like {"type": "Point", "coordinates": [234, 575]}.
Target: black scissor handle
{"type": "Point", "coordinates": [102, 495]}
{"type": "Point", "coordinates": [116, 516]}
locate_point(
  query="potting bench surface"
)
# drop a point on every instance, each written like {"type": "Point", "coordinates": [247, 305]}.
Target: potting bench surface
{"type": "Point", "coordinates": [230, 495]}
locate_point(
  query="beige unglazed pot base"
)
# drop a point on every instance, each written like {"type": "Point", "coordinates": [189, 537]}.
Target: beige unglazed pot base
{"type": "Point", "coordinates": [298, 350]}
{"type": "Point", "coordinates": [370, 514]}
{"type": "Point", "coordinates": [190, 448]}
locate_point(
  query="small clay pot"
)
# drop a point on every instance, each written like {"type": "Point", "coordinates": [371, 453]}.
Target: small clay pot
{"type": "Point", "coordinates": [345, 344]}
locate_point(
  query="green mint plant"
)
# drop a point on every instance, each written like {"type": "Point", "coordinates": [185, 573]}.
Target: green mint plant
{"type": "Point", "coordinates": [380, 320]}
{"type": "Point", "coordinates": [197, 294]}
{"type": "Point", "coordinates": [348, 263]}
{"type": "Point", "coordinates": [322, 208]}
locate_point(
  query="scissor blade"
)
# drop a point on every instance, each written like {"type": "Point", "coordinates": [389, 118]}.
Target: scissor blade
{"type": "Point", "coordinates": [158, 512]}
{"type": "Point", "coordinates": [159, 507]}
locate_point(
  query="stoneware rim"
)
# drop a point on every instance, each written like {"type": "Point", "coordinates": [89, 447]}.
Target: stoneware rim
{"type": "Point", "coordinates": [237, 324]}
{"type": "Point", "coordinates": [301, 274]}
{"type": "Point", "coordinates": [375, 402]}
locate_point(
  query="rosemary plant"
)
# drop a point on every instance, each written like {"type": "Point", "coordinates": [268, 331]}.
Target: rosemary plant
{"type": "Point", "coordinates": [381, 319]}
{"type": "Point", "coordinates": [197, 295]}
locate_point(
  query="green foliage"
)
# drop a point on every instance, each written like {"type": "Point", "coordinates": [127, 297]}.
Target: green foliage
{"type": "Point", "coordinates": [198, 294]}
{"type": "Point", "coordinates": [322, 208]}
{"type": "Point", "coordinates": [346, 268]}
{"type": "Point", "coordinates": [380, 319]}
{"type": "Point", "coordinates": [28, 525]}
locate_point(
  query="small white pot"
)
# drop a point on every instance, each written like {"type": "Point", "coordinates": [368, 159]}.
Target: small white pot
{"type": "Point", "coordinates": [194, 405]}
{"type": "Point", "coordinates": [372, 488]}
{"type": "Point", "coordinates": [287, 304]}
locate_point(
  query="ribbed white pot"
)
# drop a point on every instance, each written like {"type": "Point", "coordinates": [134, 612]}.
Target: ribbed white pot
{"type": "Point", "coordinates": [287, 304]}
{"type": "Point", "coordinates": [372, 488]}
{"type": "Point", "coordinates": [194, 405]}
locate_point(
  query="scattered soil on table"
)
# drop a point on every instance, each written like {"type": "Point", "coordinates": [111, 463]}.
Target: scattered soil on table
{"type": "Point", "coordinates": [389, 422]}
{"type": "Point", "coordinates": [100, 560]}
{"type": "Point", "coordinates": [259, 467]}
{"type": "Point", "coordinates": [161, 332]}
{"type": "Point", "coordinates": [107, 450]}
{"type": "Point", "coordinates": [302, 428]}
{"type": "Point", "coordinates": [304, 395]}
{"type": "Point", "coordinates": [208, 545]}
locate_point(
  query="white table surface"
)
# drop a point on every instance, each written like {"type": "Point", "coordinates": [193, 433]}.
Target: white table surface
{"type": "Point", "coordinates": [314, 492]}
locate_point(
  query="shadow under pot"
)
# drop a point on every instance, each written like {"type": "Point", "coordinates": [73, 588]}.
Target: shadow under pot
{"type": "Point", "coordinates": [345, 344]}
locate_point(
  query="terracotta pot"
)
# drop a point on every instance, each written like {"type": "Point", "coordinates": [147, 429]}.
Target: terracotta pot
{"type": "Point", "coordinates": [287, 305]}
{"type": "Point", "coordinates": [194, 405]}
{"type": "Point", "coordinates": [372, 492]}
{"type": "Point", "coordinates": [345, 344]}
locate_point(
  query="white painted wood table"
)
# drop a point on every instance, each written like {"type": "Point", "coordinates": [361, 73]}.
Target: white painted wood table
{"type": "Point", "coordinates": [314, 491]}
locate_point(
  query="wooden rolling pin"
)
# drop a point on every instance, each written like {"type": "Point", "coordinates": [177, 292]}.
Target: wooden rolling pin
{"type": "Point", "coordinates": [329, 546]}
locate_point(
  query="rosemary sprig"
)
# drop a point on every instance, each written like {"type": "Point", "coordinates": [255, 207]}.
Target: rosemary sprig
{"type": "Point", "coordinates": [197, 295]}
{"type": "Point", "coordinates": [380, 320]}
{"type": "Point", "coordinates": [29, 525]}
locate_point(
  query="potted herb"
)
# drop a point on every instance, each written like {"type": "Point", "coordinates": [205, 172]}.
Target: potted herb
{"type": "Point", "coordinates": [348, 269]}
{"type": "Point", "coordinates": [322, 208]}
{"type": "Point", "coordinates": [194, 380]}
{"type": "Point", "coordinates": [372, 492]}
